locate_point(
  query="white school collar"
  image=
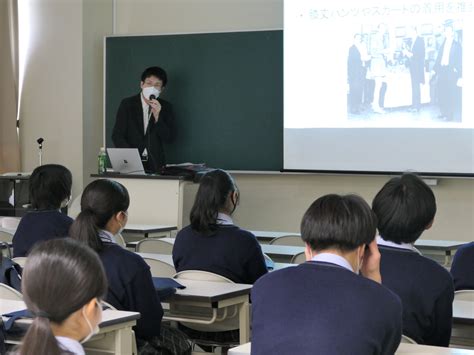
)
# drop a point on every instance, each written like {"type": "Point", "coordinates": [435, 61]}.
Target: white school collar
{"type": "Point", "coordinates": [106, 236]}
{"type": "Point", "coordinates": [70, 345]}
{"type": "Point", "coordinates": [224, 219]}
{"type": "Point", "coordinates": [333, 259]}
{"type": "Point", "coordinates": [405, 246]}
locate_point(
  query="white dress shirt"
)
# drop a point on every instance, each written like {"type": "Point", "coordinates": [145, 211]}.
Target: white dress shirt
{"type": "Point", "coordinates": [446, 50]}
{"type": "Point", "coordinates": [333, 259]}
{"type": "Point", "coordinates": [406, 246]}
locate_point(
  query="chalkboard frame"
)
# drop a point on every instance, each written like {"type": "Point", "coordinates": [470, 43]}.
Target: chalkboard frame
{"type": "Point", "coordinates": [263, 151]}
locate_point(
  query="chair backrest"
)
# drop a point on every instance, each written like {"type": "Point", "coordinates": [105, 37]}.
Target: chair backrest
{"type": "Point", "coordinates": [6, 236]}
{"type": "Point", "coordinates": [119, 240]}
{"type": "Point", "coordinates": [407, 340]}
{"type": "Point", "coordinates": [159, 268]}
{"type": "Point", "coordinates": [157, 246]}
{"type": "Point", "coordinates": [200, 275]}
{"type": "Point", "coordinates": [299, 258]}
{"type": "Point", "coordinates": [464, 295]}
{"type": "Point", "coordinates": [291, 240]}
{"type": "Point", "coordinates": [10, 222]}
{"type": "Point", "coordinates": [229, 323]}
{"type": "Point", "coordinates": [20, 260]}
{"type": "Point", "coordinates": [9, 293]}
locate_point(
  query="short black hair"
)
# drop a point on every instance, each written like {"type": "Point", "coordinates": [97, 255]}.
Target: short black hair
{"type": "Point", "coordinates": [49, 186]}
{"type": "Point", "coordinates": [336, 221]}
{"type": "Point", "coordinates": [404, 206]}
{"type": "Point", "coordinates": [157, 72]}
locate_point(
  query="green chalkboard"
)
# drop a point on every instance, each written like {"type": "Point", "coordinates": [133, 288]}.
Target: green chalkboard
{"type": "Point", "coordinates": [226, 90]}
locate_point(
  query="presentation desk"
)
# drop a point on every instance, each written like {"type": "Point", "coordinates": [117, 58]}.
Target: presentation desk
{"type": "Point", "coordinates": [115, 336]}
{"type": "Point", "coordinates": [155, 199]}
{"type": "Point", "coordinates": [413, 349]}
{"type": "Point", "coordinates": [214, 296]}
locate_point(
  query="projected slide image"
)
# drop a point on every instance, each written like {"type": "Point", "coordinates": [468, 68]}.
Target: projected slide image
{"type": "Point", "coordinates": [406, 72]}
{"type": "Point", "coordinates": [378, 64]}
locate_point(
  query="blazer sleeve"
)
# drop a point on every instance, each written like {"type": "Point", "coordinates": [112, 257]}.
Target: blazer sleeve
{"type": "Point", "coordinates": [255, 266]}
{"type": "Point", "coordinates": [394, 330]}
{"type": "Point", "coordinates": [165, 127]}
{"type": "Point", "coordinates": [143, 298]}
{"type": "Point", "coordinates": [443, 318]}
{"type": "Point", "coordinates": [120, 129]}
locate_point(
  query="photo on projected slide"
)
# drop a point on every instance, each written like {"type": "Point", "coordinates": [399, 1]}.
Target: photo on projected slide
{"type": "Point", "coordinates": [379, 64]}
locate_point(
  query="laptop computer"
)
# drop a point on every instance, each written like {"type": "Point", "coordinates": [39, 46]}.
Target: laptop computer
{"type": "Point", "coordinates": [126, 160]}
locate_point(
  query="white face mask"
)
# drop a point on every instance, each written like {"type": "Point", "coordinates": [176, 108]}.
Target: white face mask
{"type": "Point", "coordinates": [150, 90]}
{"type": "Point", "coordinates": [93, 331]}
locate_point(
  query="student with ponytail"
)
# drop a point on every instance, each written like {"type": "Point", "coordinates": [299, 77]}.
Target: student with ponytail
{"type": "Point", "coordinates": [212, 242]}
{"type": "Point", "coordinates": [104, 205]}
{"type": "Point", "coordinates": [60, 291]}
{"type": "Point", "coordinates": [50, 190]}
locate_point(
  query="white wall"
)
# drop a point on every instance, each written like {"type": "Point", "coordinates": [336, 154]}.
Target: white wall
{"type": "Point", "coordinates": [65, 68]}
{"type": "Point", "coordinates": [52, 93]}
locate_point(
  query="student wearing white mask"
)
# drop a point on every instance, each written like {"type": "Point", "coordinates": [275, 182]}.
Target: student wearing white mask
{"type": "Point", "coordinates": [66, 314]}
{"type": "Point", "coordinates": [104, 205]}
{"type": "Point", "coordinates": [145, 120]}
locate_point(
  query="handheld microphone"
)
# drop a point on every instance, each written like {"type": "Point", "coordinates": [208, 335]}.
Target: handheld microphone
{"type": "Point", "coordinates": [40, 140]}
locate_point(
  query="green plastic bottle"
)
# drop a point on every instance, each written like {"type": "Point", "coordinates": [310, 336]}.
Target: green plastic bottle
{"type": "Point", "coordinates": [102, 161]}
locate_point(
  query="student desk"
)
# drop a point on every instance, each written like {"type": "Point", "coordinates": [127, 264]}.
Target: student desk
{"type": "Point", "coordinates": [412, 349]}
{"type": "Point", "coordinates": [115, 334]}
{"type": "Point", "coordinates": [281, 253]}
{"type": "Point", "coordinates": [134, 244]}
{"type": "Point", "coordinates": [166, 258]}
{"type": "Point", "coordinates": [265, 237]}
{"type": "Point", "coordinates": [446, 248]}
{"type": "Point", "coordinates": [147, 229]}
{"type": "Point", "coordinates": [213, 295]}
{"type": "Point", "coordinates": [463, 323]}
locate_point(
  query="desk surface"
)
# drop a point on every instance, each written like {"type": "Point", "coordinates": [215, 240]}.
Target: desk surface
{"type": "Point", "coordinates": [269, 235]}
{"type": "Point", "coordinates": [402, 349]}
{"type": "Point", "coordinates": [420, 243]}
{"type": "Point", "coordinates": [439, 244]}
{"type": "Point", "coordinates": [109, 317]}
{"type": "Point", "coordinates": [114, 175]}
{"type": "Point", "coordinates": [148, 228]}
{"type": "Point", "coordinates": [167, 258]}
{"type": "Point", "coordinates": [207, 291]}
{"type": "Point", "coordinates": [284, 250]}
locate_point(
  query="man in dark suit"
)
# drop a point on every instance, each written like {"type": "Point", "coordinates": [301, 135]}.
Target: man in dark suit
{"type": "Point", "coordinates": [355, 75]}
{"type": "Point", "coordinates": [334, 303]}
{"type": "Point", "coordinates": [145, 120]}
{"type": "Point", "coordinates": [416, 63]}
{"type": "Point", "coordinates": [405, 208]}
{"type": "Point", "coordinates": [448, 68]}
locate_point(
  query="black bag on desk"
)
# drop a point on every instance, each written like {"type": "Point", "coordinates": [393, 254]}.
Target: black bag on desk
{"type": "Point", "coordinates": [10, 273]}
{"type": "Point", "coordinates": [188, 171]}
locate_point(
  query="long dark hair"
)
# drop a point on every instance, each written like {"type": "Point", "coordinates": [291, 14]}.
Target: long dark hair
{"type": "Point", "coordinates": [214, 189]}
{"type": "Point", "coordinates": [49, 185]}
{"type": "Point", "coordinates": [59, 278]}
{"type": "Point", "coordinates": [100, 200]}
